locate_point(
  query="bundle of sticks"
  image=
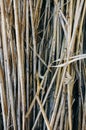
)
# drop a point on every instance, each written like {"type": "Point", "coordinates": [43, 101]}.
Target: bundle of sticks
{"type": "Point", "coordinates": [43, 64]}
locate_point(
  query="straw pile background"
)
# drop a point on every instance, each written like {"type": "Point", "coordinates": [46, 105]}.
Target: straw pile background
{"type": "Point", "coordinates": [42, 64]}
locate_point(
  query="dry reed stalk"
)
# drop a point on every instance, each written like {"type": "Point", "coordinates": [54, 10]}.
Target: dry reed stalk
{"type": "Point", "coordinates": [3, 99]}
{"type": "Point", "coordinates": [27, 61]}
{"type": "Point", "coordinates": [19, 100]}
{"type": "Point", "coordinates": [21, 74]}
{"type": "Point", "coordinates": [34, 52]}
{"type": "Point", "coordinates": [63, 110]}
